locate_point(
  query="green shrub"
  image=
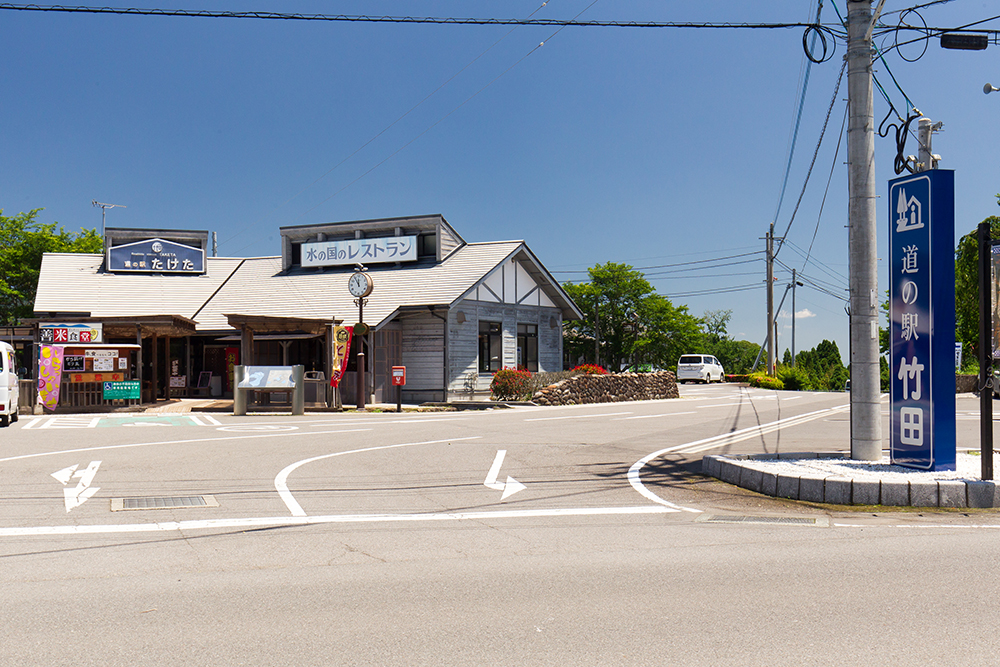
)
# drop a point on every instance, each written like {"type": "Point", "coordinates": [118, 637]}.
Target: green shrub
{"type": "Point", "coordinates": [765, 381]}
{"type": "Point", "coordinates": [794, 378]}
{"type": "Point", "coordinates": [510, 384]}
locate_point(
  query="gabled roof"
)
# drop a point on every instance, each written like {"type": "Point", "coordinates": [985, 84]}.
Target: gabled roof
{"type": "Point", "coordinates": [74, 282]}
{"type": "Point", "coordinates": [258, 286]}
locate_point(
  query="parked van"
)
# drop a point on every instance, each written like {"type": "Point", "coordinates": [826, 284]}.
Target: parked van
{"type": "Point", "coordinates": [8, 385]}
{"type": "Point", "coordinates": [700, 368]}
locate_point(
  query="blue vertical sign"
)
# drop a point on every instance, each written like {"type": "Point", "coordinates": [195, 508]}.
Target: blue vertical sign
{"type": "Point", "coordinates": [922, 320]}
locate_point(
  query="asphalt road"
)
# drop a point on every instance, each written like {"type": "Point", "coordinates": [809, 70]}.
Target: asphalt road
{"type": "Point", "coordinates": [547, 536]}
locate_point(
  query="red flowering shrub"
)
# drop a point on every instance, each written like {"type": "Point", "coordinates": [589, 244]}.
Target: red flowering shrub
{"type": "Point", "coordinates": [591, 369]}
{"type": "Point", "coordinates": [510, 384]}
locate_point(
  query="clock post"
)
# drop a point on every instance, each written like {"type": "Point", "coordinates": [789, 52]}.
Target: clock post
{"type": "Point", "coordinates": [360, 285]}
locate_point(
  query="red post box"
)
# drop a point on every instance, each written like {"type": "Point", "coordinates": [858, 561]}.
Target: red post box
{"type": "Point", "coordinates": [398, 376]}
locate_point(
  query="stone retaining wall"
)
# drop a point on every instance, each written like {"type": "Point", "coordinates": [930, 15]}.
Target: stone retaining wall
{"type": "Point", "coordinates": [609, 388]}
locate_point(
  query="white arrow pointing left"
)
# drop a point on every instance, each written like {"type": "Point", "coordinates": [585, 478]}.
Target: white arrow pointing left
{"type": "Point", "coordinates": [83, 491]}
{"type": "Point", "coordinates": [511, 487]}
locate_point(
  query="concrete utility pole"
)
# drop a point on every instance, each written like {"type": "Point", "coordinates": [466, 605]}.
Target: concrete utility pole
{"type": "Point", "coordinates": [866, 418]}
{"type": "Point", "coordinates": [770, 301]}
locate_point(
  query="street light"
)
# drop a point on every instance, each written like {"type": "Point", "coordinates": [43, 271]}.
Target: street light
{"type": "Point", "coordinates": [989, 88]}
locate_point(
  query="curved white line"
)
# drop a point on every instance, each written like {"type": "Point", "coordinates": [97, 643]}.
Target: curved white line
{"type": "Point", "coordinates": [716, 441]}
{"type": "Point", "coordinates": [281, 481]}
{"type": "Point", "coordinates": [633, 479]}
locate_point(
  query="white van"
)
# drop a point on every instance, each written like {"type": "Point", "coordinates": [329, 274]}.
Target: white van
{"type": "Point", "coordinates": [8, 385]}
{"type": "Point", "coordinates": [700, 368]}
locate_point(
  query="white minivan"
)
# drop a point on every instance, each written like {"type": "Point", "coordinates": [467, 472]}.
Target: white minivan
{"type": "Point", "coordinates": [8, 385]}
{"type": "Point", "coordinates": [699, 368]}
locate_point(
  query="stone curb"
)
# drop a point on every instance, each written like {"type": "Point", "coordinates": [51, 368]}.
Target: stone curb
{"type": "Point", "coordinates": [838, 490]}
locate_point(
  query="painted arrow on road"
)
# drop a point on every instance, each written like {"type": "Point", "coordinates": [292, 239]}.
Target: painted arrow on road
{"type": "Point", "coordinates": [509, 488]}
{"type": "Point", "coordinates": [82, 492]}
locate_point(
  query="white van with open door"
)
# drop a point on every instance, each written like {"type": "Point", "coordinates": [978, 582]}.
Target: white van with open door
{"type": "Point", "coordinates": [8, 385]}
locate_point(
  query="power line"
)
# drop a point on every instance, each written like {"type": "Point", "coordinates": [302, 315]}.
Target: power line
{"type": "Point", "coordinates": [360, 18]}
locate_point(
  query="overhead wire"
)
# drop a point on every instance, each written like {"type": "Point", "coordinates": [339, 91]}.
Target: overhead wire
{"type": "Point", "coordinates": [812, 163]}
{"type": "Point", "coordinates": [392, 124]}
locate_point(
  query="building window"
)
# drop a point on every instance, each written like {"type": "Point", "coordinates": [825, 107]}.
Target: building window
{"type": "Point", "coordinates": [527, 347]}
{"type": "Point", "coordinates": [490, 347]}
{"type": "Point", "coordinates": [427, 245]}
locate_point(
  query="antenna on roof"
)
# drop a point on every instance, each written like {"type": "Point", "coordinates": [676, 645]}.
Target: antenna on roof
{"type": "Point", "coordinates": [104, 210]}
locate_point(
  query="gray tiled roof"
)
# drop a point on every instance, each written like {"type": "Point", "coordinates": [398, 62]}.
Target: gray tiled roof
{"type": "Point", "coordinates": [74, 283]}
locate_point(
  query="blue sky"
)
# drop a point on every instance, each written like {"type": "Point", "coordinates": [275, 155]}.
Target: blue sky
{"type": "Point", "coordinates": [649, 146]}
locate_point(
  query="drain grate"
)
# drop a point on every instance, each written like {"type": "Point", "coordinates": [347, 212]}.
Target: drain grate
{"type": "Point", "coordinates": [786, 520]}
{"type": "Point", "coordinates": [161, 503]}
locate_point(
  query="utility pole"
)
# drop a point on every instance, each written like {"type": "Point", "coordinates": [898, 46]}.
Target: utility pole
{"type": "Point", "coordinates": [794, 283]}
{"type": "Point", "coordinates": [770, 300]}
{"type": "Point", "coordinates": [866, 417]}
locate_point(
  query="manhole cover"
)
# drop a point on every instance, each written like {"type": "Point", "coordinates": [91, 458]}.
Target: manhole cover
{"type": "Point", "coordinates": [781, 520]}
{"type": "Point", "coordinates": [162, 503]}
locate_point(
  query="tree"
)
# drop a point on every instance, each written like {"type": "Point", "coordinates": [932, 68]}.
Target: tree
{"type": "Point", "coordinates": [824, 367]}
{"type": "Point", "coordinates": [635, 325]}
{"type": "Point", "coordinates": [736, 356]}
{"type": "Point", "coordinates": [23, 241]}
{"type": "Point", "coordinates": [967, 290]}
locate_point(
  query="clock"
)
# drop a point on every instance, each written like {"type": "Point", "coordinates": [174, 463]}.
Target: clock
{"type": "Point", "coordinates": [360, 284]}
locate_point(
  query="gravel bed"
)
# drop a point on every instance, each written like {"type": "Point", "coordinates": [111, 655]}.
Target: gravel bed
{"type": "Point", "coordinates": [968, 468]}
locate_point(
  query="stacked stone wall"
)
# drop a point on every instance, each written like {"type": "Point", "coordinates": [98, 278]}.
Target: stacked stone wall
{"type": "Point", "coordinates": [609, 389]}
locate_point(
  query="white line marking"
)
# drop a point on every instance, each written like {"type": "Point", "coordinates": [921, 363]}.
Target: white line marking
{"type": "Point", "coordinates": [170, 442]}
{"type": "Point", "coordinates": [719, 405]}
{"type": "Point", "coordinates": [709, 443]}
{"type": "Point", "coordinates": [263, 522]}
{"type": "Point", "coordinates": [665, 414]}
{"type": "Point", "coordinates": [604, 414]}
{"type": "Point", "coordinates": [509, 488]}
{"type": "Point", "coordinates": [211, 419]}
{"type": "Point", "coordinates": [751, 432]}
{"type": "Point", "coordinates": [281, 481]}
{"type": "Point", "coordinates": [197, 422]}
{"type": "Point", "coordinates": [33, 423]}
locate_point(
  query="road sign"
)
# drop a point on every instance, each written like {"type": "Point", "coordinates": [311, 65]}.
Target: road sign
{"type": "Point", "coordinates": [116, 390]}
{"type": "Point", "coordinates": [922, 319]}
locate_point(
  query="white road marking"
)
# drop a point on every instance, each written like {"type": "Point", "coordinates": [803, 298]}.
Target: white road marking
{"type": "Point", "coordinates": [509, 488]}
{"type": "Point", "coordinates": [210, 419]}
{"type": "Point", "coordinates": [82, 492]}
{"type": "Point", "coordinates": [64, 422]}
{"type": "Point", "coordinates": [603, 414]}
{"type": "Point", "coordinates": [665, 414]}
{"type": "Point", "coordinates": [751, 432]}
{"type": "Point", "coordinates": [265, 522]}
{"type": "Point", "coordinates": [168, 442]}
{"type": "Point", "coordinates": [34, 422]}
{"type": "Point", "coordinates": [717, 441]}
{"type": "Point", "coordinates": [281, 481]}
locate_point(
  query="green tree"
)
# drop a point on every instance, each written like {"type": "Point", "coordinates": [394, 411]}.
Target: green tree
{"type": "Point", "coordinates": [736, 356]}
{"type": "Point", "coordinates": [967, 290]}
{"type": "Point", "coordinates": [23, 241]}
{"type": "Point", "coordinates": [824, 367]}
{"type": "Point", "coordinates": [635, 325]}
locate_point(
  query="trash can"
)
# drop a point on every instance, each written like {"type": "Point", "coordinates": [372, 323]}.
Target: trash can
{"type": "Point", "coordinates": [315, 389]}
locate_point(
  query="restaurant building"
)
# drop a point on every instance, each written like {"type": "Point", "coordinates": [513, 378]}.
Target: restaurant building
{"type": "Point", "coordinates": [159, 314]}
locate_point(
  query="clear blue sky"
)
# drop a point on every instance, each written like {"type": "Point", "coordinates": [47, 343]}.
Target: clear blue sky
{"type": "Point", "coordinates": [649, 146]}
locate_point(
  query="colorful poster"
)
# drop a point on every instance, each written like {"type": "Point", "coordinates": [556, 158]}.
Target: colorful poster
{"type": "Point", "coordinates": [50, 362]}
{"type": "Point", "coordinates": [232, 361]}
{"type": "Point", "coordinates": [341, 352]}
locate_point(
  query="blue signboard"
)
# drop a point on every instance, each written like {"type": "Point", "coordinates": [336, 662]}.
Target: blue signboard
{"type": "Point", "coordinates": [156, 256]}
{"type": "Point", "coordinates": [922, 319]}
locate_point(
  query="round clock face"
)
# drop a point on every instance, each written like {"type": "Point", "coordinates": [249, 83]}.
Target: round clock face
{"type": "Point", "coordinates": [360, 284]}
